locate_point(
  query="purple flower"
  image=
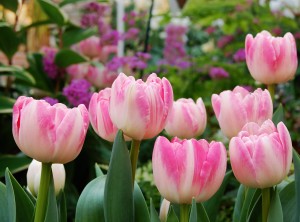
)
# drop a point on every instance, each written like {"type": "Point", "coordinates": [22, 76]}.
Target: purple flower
{"type": "Point", "coordinates": [110, 38]}
{"type": "Point", "coordinates": [48, 62]}
{"type": "Point", "coordinates": [116, 63]}
{"type": "Point", "coordinates": [224, 40]}
{"type": "Point", "coordinates": [78, 92]}
{"type": "Point", "coordinates": [218, 73]}
{"type": "Point", "coordinates": [239, 55]}
{"type": "Point", "coordinates": [131, 34]}
{"type": "Point", "coordinates": [50, 100]}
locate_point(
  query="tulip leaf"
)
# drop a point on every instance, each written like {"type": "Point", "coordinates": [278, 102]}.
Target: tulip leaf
{"type": "Point", "coordinates": [118, 185]}
{"type": "Point", "coordinates": [275, 210]}
{"type": "Point", "coordinates": [278, 115]}
{"type": "Point", "coordinates": [141, 213]}
{"type": "Point", "coordinates": [288, 201]}
{"type": "Point", "coordinates": [11, 4]}
{"type": "Point", "coordinates": [201, 213]}
{"type": "Point", "coordinates": [67, 57]}
{"type": "Point", "coordinates": [255, 212]}
{"type": "Point", "coordinates": [98, 170]}
{"type": "Point", "coordinates": [17, 72]}
{"type": "Point", "coordinates": [6, 106]}
{"type": "Point", "coordinates": [74, 35]}
{"type": "Point", "coordinates": [193, 214]}
{"type": "Point", "coordinates": [296, 160]}
{"type": "Point", "coordinates": [9, 41]}
{"type": "Point", "coordinates": [172, 217]}
{"type": "Point", "coordinates": [19, 205]}
{"type": "Point", "coordinates": [153, 214]}
{"type": "Point", "coordinates": [3, 199]}
{"type": "Point", "coordinates": [61, 206]}
{"type": "Point", "coordinates": [52, 211]}
{"type": "Point", "coordinates": [53, 12]}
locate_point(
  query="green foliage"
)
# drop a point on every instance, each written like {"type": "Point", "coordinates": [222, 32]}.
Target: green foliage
{"type": "Point", "coordinates": [6, 104]}
{"type": "Point", "coordinates": [296, 160]}
{"type": "Point", "coordinates": [9, 40]}
{"type": "Point", "coordinates": [17, 72]}
{"type": "Point", "coordinates": [54, 13]}
{"type": "Point", "coordinates": [15, 163]}
{"type": "Point", "coordinates": [11, 4]}
{"type": "Point", "coordinates": [75, 34]}
{"type": "Point", "coordinates": [66, 57]}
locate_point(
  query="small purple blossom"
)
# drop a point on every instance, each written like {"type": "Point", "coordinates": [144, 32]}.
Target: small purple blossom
{"type": "Point", "coordinates": [78, 92]}
{"type": "Point", "coordinates": [239, 55]}
{"type": "Point", "coordinates": [116, 63]}
{"type": "Point", "coordinates": [224, 40]}
{"type": "Point", "coordinates": [50, 100]}
{"type": "Point", "coordinates": [131, 34]}
{"type": "Point", "coordinates": [110, 38]}
{"type": "Point", "coordinates": [218, 73]}
{"type": "Point", "coordinates": [48, 62]}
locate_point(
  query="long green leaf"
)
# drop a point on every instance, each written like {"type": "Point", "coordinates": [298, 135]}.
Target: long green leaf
{"type": "Point", "coordinates": [66, 57]}
{"type": "Point", "coordinates": [193, 214]}
{"type": "Point", "coordinates": [61, 206]}
{"type": "Point", "coordinates": [17, 72]}
{"type": "Point", "coordinates": [172, 217]}
{"type": "Point", "coordinates": [275, 210]}
{"type": "Point", "coordinates": [20, 207]}
{"type": "Point", "coordinates": [3, 199]}
{"type": "Point", "coordinates": [118, 186]}
{"type": "Point", "coordinates": [141, 213]}
{"type": "Point", "coordinates": [296, 160]}
{"type": "Point", "coordinates": [15, 163]}
{"type": "Point", "coordinates": [201, 213]}
{"type": "Point", "coordinates": [153, 214]}
{"type": "Point", "coordinates": [9, 41]}
{"type": "Point", "coordinates": [6, 106]}
{"type": "Point", "coordinates": [75, 35]}
{"type": "Point", "coordinates": [52, 211]}
{"type": "Point", "coordinates": [10, 4]}
{"type": "Point", "coordinates": [278, 115]}
{"type": "Point", "coordinates": [53, 12]}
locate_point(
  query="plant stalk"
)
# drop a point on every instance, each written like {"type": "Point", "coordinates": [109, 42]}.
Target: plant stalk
{"type": "Point", "coordinates": [184, 212]}
{"type": "Point", "coordinates": [265, 203]}
{"type": "Point", "coordinates": [271, 89]}
{"type": "Point", "coordinates": [134, 155]}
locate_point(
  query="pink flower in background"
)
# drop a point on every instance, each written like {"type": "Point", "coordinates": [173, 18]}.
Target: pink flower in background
{"type": "Point", "coordinates": [187, 119]}
{"type": "Point", "coordinates": [100, 77]}
{"type": "Point", "coordinates": [188, 169]}
{"type": "Point", "coordinates": [235, 108]}
{"type": "Point", "coordinates": [144, 105]}
{"type": "Point", "coordinates": [89, 47]}
{"type": "Point", "coordinates": [131, 34]}
{"type": "Point", "coordinates": [239, 55]}
{"type": "Point", "coordinates": [218, 73]}
{"type": "Point", "coordinates": [107, 51]}
{"type": "Point", "coordinates": [271, 59]}
{"type": "Point", "coordinates": [49, 134]}
{"type": "Point", "coordinates": [224, 41]}
{"type": "Point", "coordinates": [261, 156]}
{"type": "Point", "coordinates": [78, 71]}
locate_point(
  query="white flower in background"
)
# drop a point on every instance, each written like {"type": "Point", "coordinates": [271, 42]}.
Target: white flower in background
{"type": "Point", "coordinates": [155, 23]}
{"type": "Point", "coordinates": [185, 21]}
{"type": "Point", "coordinates": [218, 22]}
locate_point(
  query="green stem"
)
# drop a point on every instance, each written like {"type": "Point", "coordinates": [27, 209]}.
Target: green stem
{"type": "Point", "coordinates": [41, 203]}
{"type": "Point", "coordinates": [265, 203]}
{"type": "Point", "coordinates": [134, 155]}
{"type": "Point", "coordinates": [184, 212]}
{"type": "Point", "coordinates": [271, 89]}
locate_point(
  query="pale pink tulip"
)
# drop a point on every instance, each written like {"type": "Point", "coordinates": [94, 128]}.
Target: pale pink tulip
{"type": "Point", "coordinates": [107, 51]}
{"type": "Point", "coordinates": [271, 59]}
{"type": "Point", "coordinates": [261, 156]}
{"type": "Point", "coordinates": [188, 169]}
{"type": "Point", "coordinates": [78, 71]}
{"type": "Point", "coordinates": [138, 108]}
{"type": "Point", "coordinates": [99, 115]}
{"type": "Point", "coordinates": [89, 47]}
{"type": "Point", "coordinates": [49, 134]}
{"type": "Point", "coordinates": [100, 76]}
{"type": "Point", "coordinates": [187, 119]}
{"type": "Point", "coordinates": [235, 108]}
{"type": "Point", "coordinates": [164, 210]}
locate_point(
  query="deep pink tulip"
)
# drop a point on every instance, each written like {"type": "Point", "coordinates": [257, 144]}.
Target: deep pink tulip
{"type": "Point", "coordinates": [235, 108]}
{"type": "Point", "coordinates": [99, 115]}
{"type": "Point", "coordinates": [89, 47]}
{"type": "Point", "coordinates": [188, 169]}
{"type": "Point", "coordinates": [49, 134]}
{"type": "Point", "coordinates": [271, 59]}
{"type": "Point", "coordinates": [187, 119]}
{"type": "Point", "coordinates": [261, 156]}
{"type": "Point", "coordinates": [138, 108]}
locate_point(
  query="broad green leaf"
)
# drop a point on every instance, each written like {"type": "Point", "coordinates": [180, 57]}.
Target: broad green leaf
{"type": "Point", "coordinates": [98, 170]}
{"type": "Point", "coordinates": [53, 12]}
{"type": "Point", "coordinates": [153, 214]}
{"type": "Point", "coordinates": [296, 160]}
{"type": "Point", "coordinates": [15, 163]}
{"type": "Point", "coordinates": [118, 185]}
{"type": "Point", "coordinates": [10, 4]}
{"type": "Point", "coordinates": [65, 2]}
{"type": "Point", "coordinates": [141, 213]}
{"type": "Point", "coordinates": [9, 41]}
{"type": "Point", "coordinates": [288, 202]}
{"type": "Point", "coordinates": [275, 210]}
{"type": "Point", "coordinates": [172, 217]}
{"type": "Point", "coordinates": [213, 204]}
{"type": "Point", "coordinates": [201, 213]}
{"type": "Point", "coordinates": [61, 206]}
{"type": "Point", "coordinates": [6, 106]}
{"type": "Point", "coordinates": [20, 207]}
{"type": "Point", "coordinates": [17, 72]}
{"type": "Point", "coordinates": [3, 208]}
{"type": "Point", "coordinates": [255, 212]}
{"type": "Point", "coordinates": [52, 211]}
{"type": "Point", "coordinates": [193, 214]}
{"type": "Point", "coordinates": [278, 115]}
{"type": "Point", "coordinates": [66, 57]}
{"type": "Point", "coordinates": [75, 35]}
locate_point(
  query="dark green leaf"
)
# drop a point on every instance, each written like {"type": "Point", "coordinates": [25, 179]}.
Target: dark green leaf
{"type": "Point", "coordinates": [20, 207]}
{"type": "Point", "coordinates": [15, 163]}
{"type": "Point", "coordinates": [275, 210]}
{"type": "Point", "coordinates": [201, 213]}
{"type": "Point", "coordinates": [278, 115]}
{"type": "Point", "coordinates": [10, 4]}
{"type": "Point", "coordinates": [153, 214]}
{"type": "Point", "coordinates": [65, 2]}
{"type": "Point", "coordinates": [118, 186]}
{"type": "Point", "coordinates": [193, 214]}
{"type": "Point", "coordinates": [296, 160]}
{"type": "Point", "coordinates": [98, 170]}
{"type": "Point", "coordinates": [75, 35]}
{"type": "Point", "coordinates": [53, 12]}
{"type": "Point", "coordinates": [61, 206]}
{"type": "Point", "coordinates": [172, 217]}
{"type": "Point", "coordinates": [6, 106]}
{"type": "Point", "coordinates": [3, 208]}
{"type": "Point", "coordinates": [9, 41]}
{"type": "Point", "coordinates": [52, 211]}
{"type": "Point", "coordinates": [66, 57]}
{"type": "Point", "coordinates": [141, 213]}
{"type": "Point", "coordinates": [17, 72]}
{"type": "Point", "coordinates": [288, 202]}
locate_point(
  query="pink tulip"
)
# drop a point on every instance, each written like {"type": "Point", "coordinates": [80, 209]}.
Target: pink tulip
{"type": "Point", "coordinates": [261, 156]}
{"type": "Point", "coordinates": [89, 47]}
{"type": "Point", "coordinates": [78, 71]}
{"type": "Point", "coordinates": [164, 210]}
{"type": "Point", "coordinates": [271, 59]}
{"type": "Point", "coordinates": [235, 108]}
{"type": "Point", "coordinates": [49, 134]}
{"type": "Point", "coordinates": [99, 115]}
{"type": "Point", "coordinates": [187, 119]}
{"type": "Point", "coordinates": [100, 76]}
{"type": "Point", "coordinates": [138, 108]}
{"type": "Point", "coordinates": [188, 169]}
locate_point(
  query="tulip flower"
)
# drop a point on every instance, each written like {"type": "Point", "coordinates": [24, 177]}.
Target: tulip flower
{"type": "Point", "coordinates": [89, 47]}
{"type": "Point", "coordinates": [34, 176]}
{"type": "Point", "coordinates": [100, 76]}
{"type": "Point", "coordinates": [49, 134]}
{"type": "Point", "coordinates": [235, 108]}
{"type": "Point", "coordinates": [261, 156]}
{"type": "Point", "coordinates": [164, 210]}
{"type": "Point", "coordinates": [187, 119]}
{"type": "Point", "coordinates": [271, 59]}
{"type": "Point", "coordinates": [138, 108]}
{"type": "Point", "coordinates": [188, 169]}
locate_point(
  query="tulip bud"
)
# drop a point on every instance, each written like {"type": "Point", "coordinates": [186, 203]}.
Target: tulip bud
{"type": "Point", "coordinates": [164, 210]}
{"type": "Point", "coordinates": [49, 134]}
{"type": "Point", "coordinates": [34, 177]}
{"type": "Point", "coordinates": [271, 59]}
{"type": "Point", "coordinates": [187, 119]}
{"type": "Point", "coordinates": [261, 156]}
{"type": "Point", "coordinates": [188, 169]}
{"type": "Point", "coordinates": [235, 108]}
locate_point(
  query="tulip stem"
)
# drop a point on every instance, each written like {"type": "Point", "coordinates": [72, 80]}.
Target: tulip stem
{"type": "Point", "coordinates": [41, 203]}
{"type": "Point", "coordinates": [265, 203]}
{"type": "Point", "coordinates": [184, 212]}
{"type": "Point", "coordinates": [134, 154]}
{"type": "Point", "coordinates": [271, 89]}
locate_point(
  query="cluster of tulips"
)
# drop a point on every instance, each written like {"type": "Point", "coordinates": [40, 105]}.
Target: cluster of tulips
{"type": "Point", "coordinates": [184, 168]}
